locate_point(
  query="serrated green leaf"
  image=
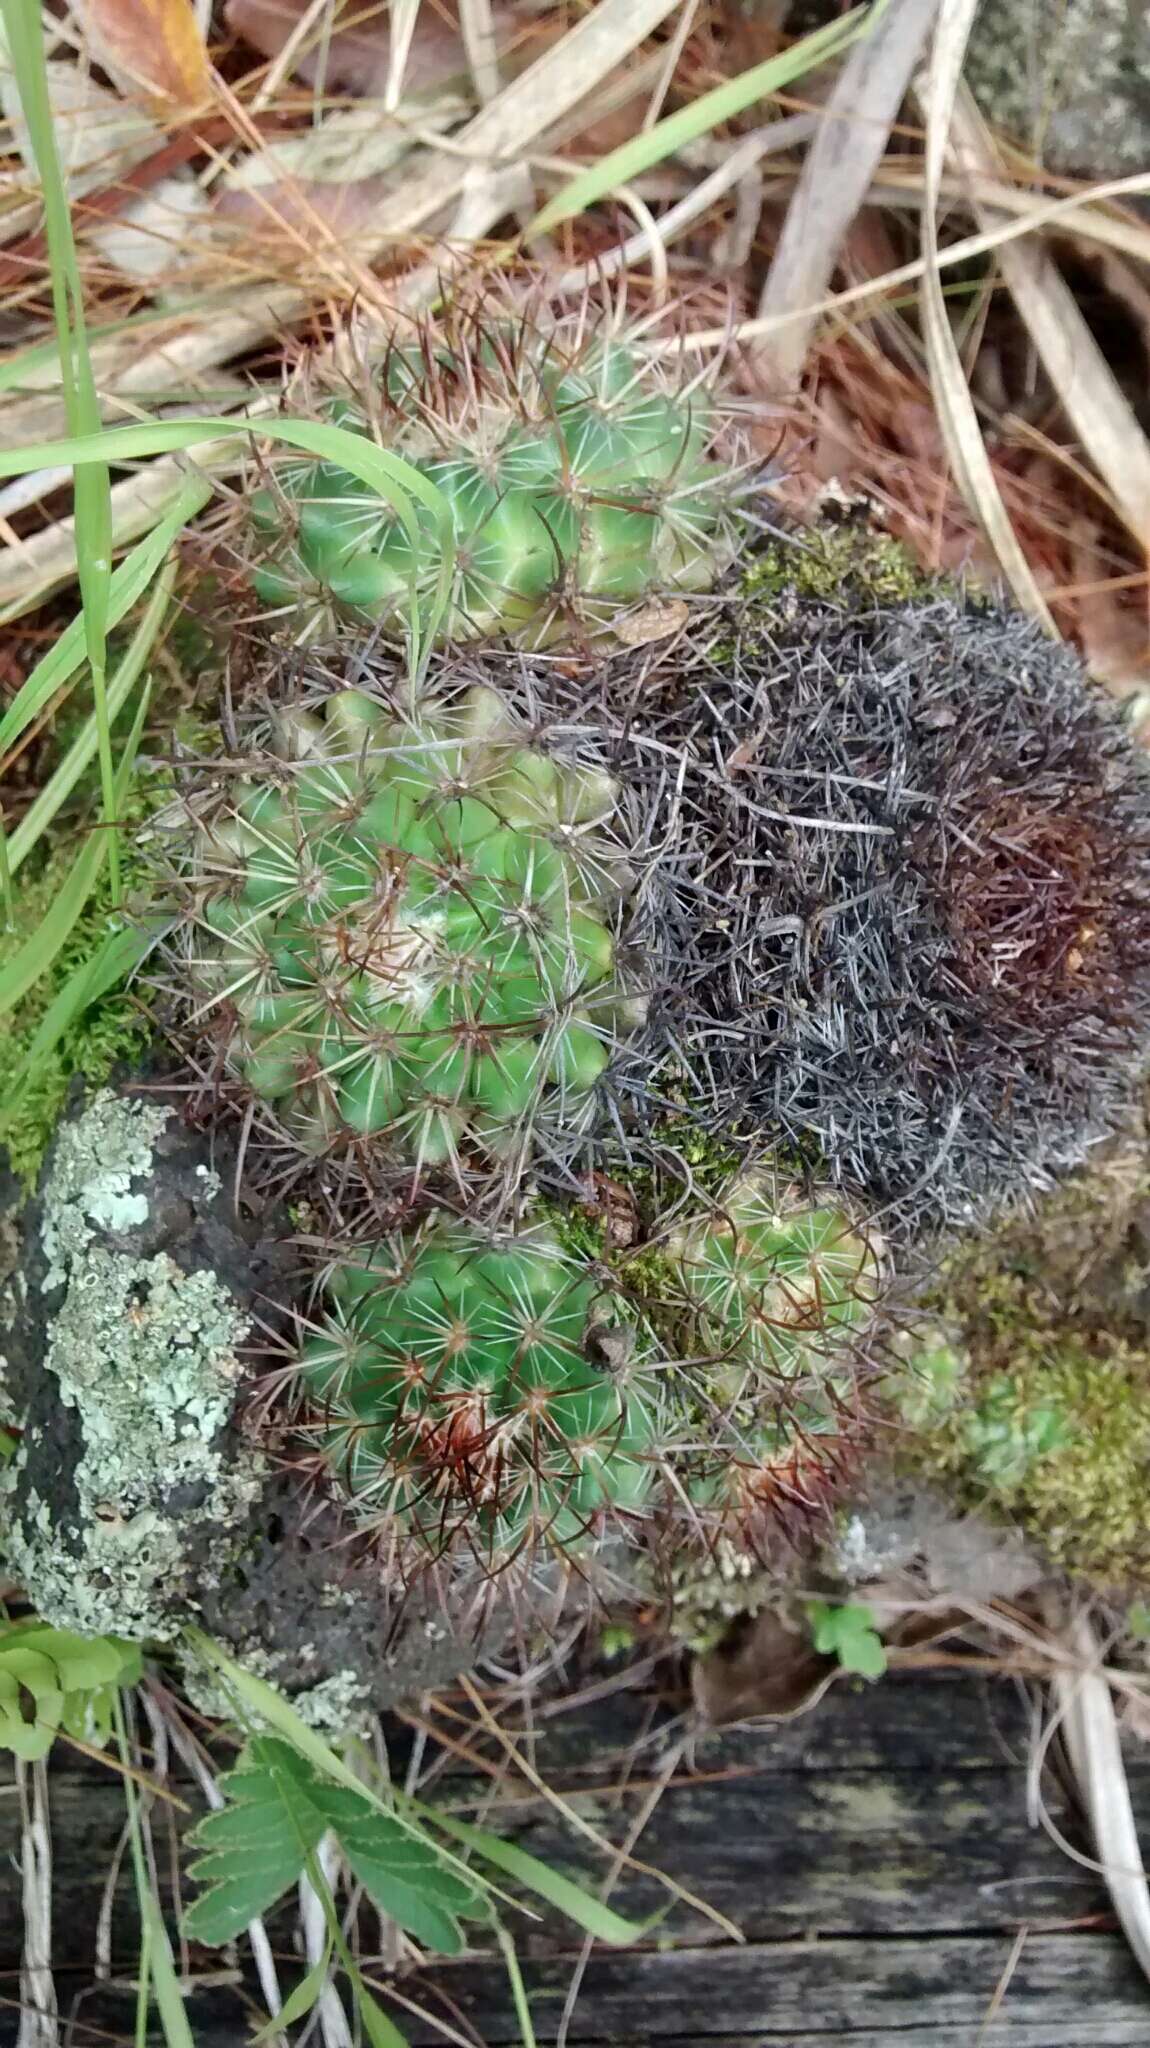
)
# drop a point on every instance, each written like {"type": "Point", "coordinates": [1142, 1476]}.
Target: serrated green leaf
{"type": "Point", "coordinates": [403, 1872]}
{"type": "Point", "coordinates": [277, 1810]}
{"type": "Point", "coordinates": [256, 1845]}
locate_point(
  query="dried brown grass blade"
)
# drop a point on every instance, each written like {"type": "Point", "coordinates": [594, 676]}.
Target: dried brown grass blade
{"type": "Point", "coordinates": [1090, 1726]}
{"type": "Point", "coordinates": [851, 137]}
{"type": "Point", "coordinates": [958, 419]}
{"type": "Point", "coordinates": [1097, 409]}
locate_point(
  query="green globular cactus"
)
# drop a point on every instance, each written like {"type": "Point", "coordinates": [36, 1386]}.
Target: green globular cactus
{"type": "Point", "coordinates": [579, 479]}
{"type": "Point", "coordinates": [776, 1288]}
{"type": "Point", "coordinates": [407, 934]}
{"type": "Point", "coordinates": [775, 1281]}
{"type": "Point", "coordinates": [463, 1385]}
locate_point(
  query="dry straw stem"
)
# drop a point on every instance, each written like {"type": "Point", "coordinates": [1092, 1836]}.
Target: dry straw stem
{"type": "Point", "coordinates": [1090, 395]}
{"type": "Point", "coordinates": [958, 420]}
{"type": "Point", "coordinates": [1086, 1704]}
{"type": "Point", "coordinates": [737, 163]}
{"type": "Point", "coordinates": [851, 137]}
{"type": "Point", "coordinates": [1080, 213]}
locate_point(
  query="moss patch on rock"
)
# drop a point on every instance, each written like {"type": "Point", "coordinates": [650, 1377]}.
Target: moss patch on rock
{"type": "Point", "coordinates": [112, 1032]}
{"type": "Point", "coordinates": [1030, 1394]}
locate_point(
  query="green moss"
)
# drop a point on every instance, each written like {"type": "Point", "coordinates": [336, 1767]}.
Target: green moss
{"type": "Point", "coordinates": [111, 1031]}
{"type": "Point", "coordinates": [834, 559]}
{"type": "Point", "coordinates": [1032, 1395]}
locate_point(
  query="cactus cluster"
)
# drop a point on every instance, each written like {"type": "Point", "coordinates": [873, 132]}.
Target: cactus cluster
{"type": "Point", "coordinates": [498, 1390]}
{"type": "Point", "coordinates": [579, 478]}
{"type": "Point", "coordinates": [407, 934]}
{"type": "Point", "coordinates": [463, 1386]}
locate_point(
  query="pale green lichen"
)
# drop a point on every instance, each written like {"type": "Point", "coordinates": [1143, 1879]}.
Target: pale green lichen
{"type": "Point", "coordinates": [711, 1589]}
{"type": "Point", "coordinates": [337, 1706]}
{"type": "Point", "coordinates": [145, 1354]}
{"type": "Point", "coordinates": [90, 1187]}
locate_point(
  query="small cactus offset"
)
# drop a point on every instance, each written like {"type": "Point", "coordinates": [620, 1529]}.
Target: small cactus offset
{"type": "Point", "coordinates": [776, 1289]}
{"type": "Point", "coordinates": [464, 1388]}
{"type": "Point", "coordinates": [406, 935]}
{"type": "Point", "coordinates": [579, 477]}
{"type": "Point", "coordinates": [775, 1280]}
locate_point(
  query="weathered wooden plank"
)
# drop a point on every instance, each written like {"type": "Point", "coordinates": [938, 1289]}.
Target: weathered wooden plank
{"type": "Point", "coordinates": [852, 1853]}
{"type": "Point", "coordinates": [890, 1824]}
{"type": "Point", "coordinates": [779, 1854]}
{"type": "Point", "coordinates": [1066, 1991]}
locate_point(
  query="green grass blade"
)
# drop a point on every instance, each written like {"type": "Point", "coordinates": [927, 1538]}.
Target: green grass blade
{"type": "Point", "coordinates": [130, 580]}
{"type": "Point", "coordinates": [394, 479]}
{"type": "Point", "coordinates": [381, 2031]}
{"type": "Point", "coordinates": [35, 957]}
{"type": "Point", "coordinates": [653, 145]}
{"type": "Point", "coordinates": [118, 954]}
{"type": "Point", "coordinates": [156, 1964]}
{"type": "Point", "coordinates": [299, 2003]}
{"type": "Point", "coordinates": [7, 900]}
{"type": "Point", "coordinates": [92, 487]}
{"type": "Point", "coordinates": [581, 1906]}
{"type": "Point", "coordinates": [518, 1988]}
{"type": "Point", "coordinates": [64, 778]}
{"type": "Point", "coordinates": [162, 1970]}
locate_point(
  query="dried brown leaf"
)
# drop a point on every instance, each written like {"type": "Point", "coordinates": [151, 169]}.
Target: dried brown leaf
{"type": "Point", "coordinates": [153, 49]}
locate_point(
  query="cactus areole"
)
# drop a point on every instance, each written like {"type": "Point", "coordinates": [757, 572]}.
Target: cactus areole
{"type": "Point", "coordinates": [407, 933]}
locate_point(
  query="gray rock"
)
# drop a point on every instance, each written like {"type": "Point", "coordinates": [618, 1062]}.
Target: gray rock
{"type": "Point", "coordinates": [1068, 79]}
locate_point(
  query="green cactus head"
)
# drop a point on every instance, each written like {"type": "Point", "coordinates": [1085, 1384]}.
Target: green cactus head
{"type": "Point", "coordinates": [776, 1287]}
{"type": "Point", "coordinates": [406, 935]}
{"type": "Point", "coordinates": [775, 1281]}
{"type": "Point", "coordinates": [461, 1390]}
{"type": "Point", "coordinates": [580, 477]}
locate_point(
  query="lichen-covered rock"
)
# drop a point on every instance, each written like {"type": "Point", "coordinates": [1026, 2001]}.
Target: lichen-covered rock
{"type": "Point", "coordinates": [133, 1482]}
{"type": "Point", "coordinates": [139, 1500]}
{"type": "Point", "coordinates": [1070, 79]}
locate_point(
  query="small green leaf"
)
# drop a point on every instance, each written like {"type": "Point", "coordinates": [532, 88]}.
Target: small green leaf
{"type": "Point", "coordinates": [848, 1633]}
{"type": "Point", "coordinates": [52, 1679]}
